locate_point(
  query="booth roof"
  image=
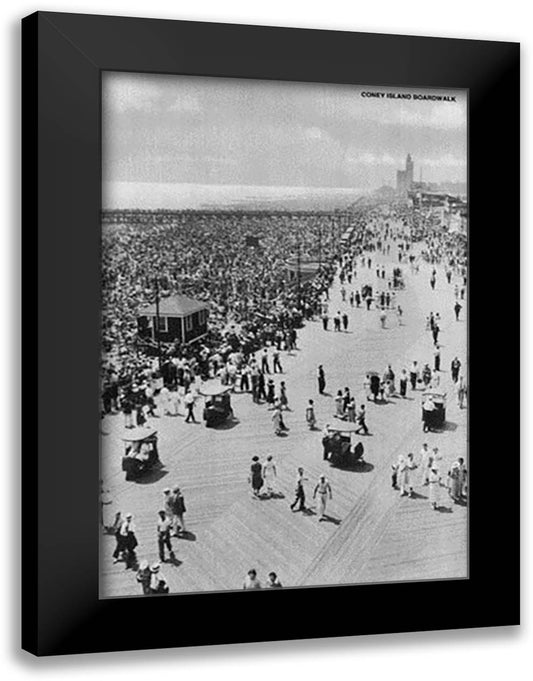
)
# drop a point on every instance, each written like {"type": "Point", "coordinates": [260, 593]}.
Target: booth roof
{"type": "Point", "coordinates": [177, 306]}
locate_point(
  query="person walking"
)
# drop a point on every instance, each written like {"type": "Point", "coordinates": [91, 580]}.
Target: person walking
{"type": "Point", "coordinates": [456, 479]}
{"type": "Point", "coordinates": [277, 421]}
{"type": "Point", "coordinates": [299, 491]}
{"type": "Point", "coordinates": [321, 376]}
{"type": "Point", "coordinates": [413, 375]}
{"type": "Point", "coordinates": [169, 510]}
{"type": "Point", "coordinates": [323, 490]}
{"type": "Point", "coordinates": [261, 392]}
{"type": "Point", "coordinates": [119, 539]}
{"type": "Point", "coordinates": [189, 404]}
{"type": "Point", "coordinates": [406, 476]}
{"type": "Point", "coordinates": [325, 320]}
{"type": "Point", "coordinates": [461, 392]}
{"type": "Point", "coordinates": [179, 510]}
{"type": "Point", "coordinates": [383, 319]}
{"type": "Point", "coordinates": [158, 582]}
{"type": "Point", "coordinates": [127, 409]}
{"type": "Point", "coordinates": [345, 321]}
{"type": "Point", "coordinates": [251, 581]}
{"type": "Point", "coordinates": [399, 314]}
{"type": "Point", "coordinates": [426, 463]}
{"type": "Point", "coordinates": [273, 581]}
{"type": "Point", "coordinates": [277, 364]}
{"type": "Point", "coordinates": [339, 405]}
{"type": "Point", "coordinates": [403, 383]}
{"type": "Point", "coordinates": [437, 462]}
{"type": "Point", "coordinates": [128, 541]}
{"type": "Point", "coordinates": [283, 400]}
{"type": "Point", "coordinates": [256, 476]}
{"type": "Point", "coordinates": [361, 420]}
{"type": "Point", "coordinates": [264, 362]}
{"type": "Point", "coordinates": [326, 440]}
{"type": "Point", "coordinates": [350, 410]}
{"type": "Point", "coordinates": [455, 368]}
{"type": "Point", "coordinates": [164, 527]}
{"type": "Point", "coordinates": [270, 392]}
{"type": "Point", "coordinates": [143, 577]}
{"type": "Point", "coordinates": [434, 489]}
{"type": "Point", "coordinates": [310, 415]}
{"type": "Point", "coordinates": [426, 375]}
{"type": "Point", "coordinates": [436, 358]}
{"type": "Point", "coordinates": [255, 384]}
{"type": "Point", "coordinates": [269, 475]}
{"type": "Point", "coordinates": [428, 409]}
{"type": "Point", "coordinates": [399, 469]}
{"type": "Point", "coordinates": [457, 309]}
{"type": "Point", "coordinates": [245, 378]}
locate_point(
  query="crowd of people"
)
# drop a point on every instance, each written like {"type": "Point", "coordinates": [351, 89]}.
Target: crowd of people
{"type": "Point", "coordinates": [430, 464]}
{"type": "Point", "coordinates": [236, 261]}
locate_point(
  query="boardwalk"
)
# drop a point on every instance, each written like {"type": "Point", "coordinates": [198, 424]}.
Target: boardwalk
{"type": "Point", "coordinates": [372, 534]}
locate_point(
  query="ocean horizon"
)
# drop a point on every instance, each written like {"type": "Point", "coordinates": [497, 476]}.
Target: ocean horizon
{"type": "Point", "coordinates": [184, 196]}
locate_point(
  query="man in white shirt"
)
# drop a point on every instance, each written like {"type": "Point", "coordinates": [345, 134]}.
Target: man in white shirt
{"type": "Point", "coordinates": [323, 489]}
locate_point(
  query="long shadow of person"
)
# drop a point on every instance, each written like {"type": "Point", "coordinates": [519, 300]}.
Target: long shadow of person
{"type": "Point", "coordinates": [188, 536]}
{"type": "Point", "coordinates": [417, 495]}
{"type": "Point", "coordinates": [330, 519]}
{"type": "Point", "coordinates": [172, 560]}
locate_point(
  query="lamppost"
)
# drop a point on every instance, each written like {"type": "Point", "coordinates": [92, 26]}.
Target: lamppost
{"type": "Point", "coordinates": [299, 267]}
{"type": "Point", "coordinates": [320, 245]}
{"type": "Point", "coordinates": [157, 322]}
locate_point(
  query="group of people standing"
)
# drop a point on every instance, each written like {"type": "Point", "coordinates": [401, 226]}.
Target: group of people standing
{"type": "Point", "coordinates": [430, 464]}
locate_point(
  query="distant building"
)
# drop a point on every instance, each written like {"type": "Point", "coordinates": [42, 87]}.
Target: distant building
{"type": "Point", "coordinates": [404, 178]}
{"type": "Point", "coordinates": [181, 320]}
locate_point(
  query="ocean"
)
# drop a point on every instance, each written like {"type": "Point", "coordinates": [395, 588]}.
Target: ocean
{"type": "Point", "coordinates": [153, 196]}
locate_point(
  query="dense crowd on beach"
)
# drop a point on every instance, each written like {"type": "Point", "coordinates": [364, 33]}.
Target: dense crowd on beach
{"type": "Point", "coordinates": [234, 261]}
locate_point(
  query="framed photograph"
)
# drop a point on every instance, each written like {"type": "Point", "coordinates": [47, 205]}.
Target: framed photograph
{"type": "Point", "coordinates": [250, 299]}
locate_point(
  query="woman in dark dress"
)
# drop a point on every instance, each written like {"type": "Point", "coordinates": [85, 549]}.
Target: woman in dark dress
{"type": "Point", "coordinates": [270, 392]}
{"type": "Point", "coordinates": [321, 379]}
{"type": "Point", "coordinates": [256, 476]}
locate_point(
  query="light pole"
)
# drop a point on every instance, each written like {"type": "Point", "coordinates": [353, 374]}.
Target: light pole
{"type": "Point", "coordinates": [156, 330]}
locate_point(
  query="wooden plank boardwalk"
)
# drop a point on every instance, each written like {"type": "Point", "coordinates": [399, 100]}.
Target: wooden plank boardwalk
{"type": "Point", "coordinates": [373, 535]}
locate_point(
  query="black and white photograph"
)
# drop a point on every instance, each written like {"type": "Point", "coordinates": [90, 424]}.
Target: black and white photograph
{"type": "Point", "coordinates": [284, 357]}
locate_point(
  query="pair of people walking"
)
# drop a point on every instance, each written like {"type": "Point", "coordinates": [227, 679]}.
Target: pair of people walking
{"type": "Point", "coordinates": [263, 475]}
{"type": "Point", "coordinates": [251, 581]}
{"type": "Point", "coordinates": [322, 491]}
{"type": "Point", "coordinates": [174, 503]}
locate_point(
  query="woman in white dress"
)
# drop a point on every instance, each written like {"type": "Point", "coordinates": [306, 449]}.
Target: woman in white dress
{"type": "Point", "coordinates": [434, 488]}
{"type": "Point", "coordinates": [339, 405]}
{"type": "Point", "coordinates": [269, 475]}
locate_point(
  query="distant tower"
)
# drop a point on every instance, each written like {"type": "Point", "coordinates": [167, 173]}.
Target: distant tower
{"type": "Point", "coordinates": [409, 172]}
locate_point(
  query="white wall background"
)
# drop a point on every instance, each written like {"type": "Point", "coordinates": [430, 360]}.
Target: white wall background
{"type": "Point", "coordinates": [484, 655]}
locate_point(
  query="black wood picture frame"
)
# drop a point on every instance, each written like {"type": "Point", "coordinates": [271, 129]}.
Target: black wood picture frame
{"type": "Point", "coordinates": [63, 56]}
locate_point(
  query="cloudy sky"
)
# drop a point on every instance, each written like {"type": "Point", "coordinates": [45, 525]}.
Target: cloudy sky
{"type": "Point", "coordinates": [179, 129]}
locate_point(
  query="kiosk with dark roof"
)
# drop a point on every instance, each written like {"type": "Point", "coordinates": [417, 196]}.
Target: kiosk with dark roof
{"type": "Point", "coordinates": [181, 320]}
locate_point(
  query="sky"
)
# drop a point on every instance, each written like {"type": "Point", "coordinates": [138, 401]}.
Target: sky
{"type": "Point", "coordinates": [211, 131]}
